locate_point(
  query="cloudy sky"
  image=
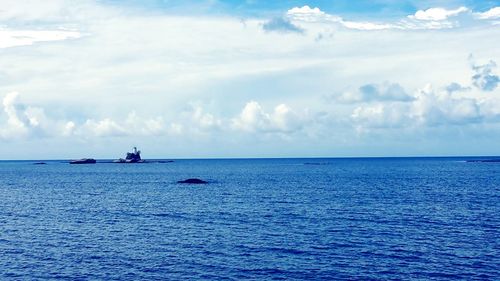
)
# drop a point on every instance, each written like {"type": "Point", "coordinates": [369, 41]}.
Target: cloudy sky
{"type": "Point", "coordinates": [254, 78]}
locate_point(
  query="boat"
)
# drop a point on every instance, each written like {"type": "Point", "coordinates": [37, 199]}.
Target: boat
{"type": "Point", "coordinates": [83, 161]}
{"type": "Point", "coordinates": [132, 157]}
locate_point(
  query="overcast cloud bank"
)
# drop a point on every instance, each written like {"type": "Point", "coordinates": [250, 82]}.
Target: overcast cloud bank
{"type": "Point", "coordinates": [92, 72]}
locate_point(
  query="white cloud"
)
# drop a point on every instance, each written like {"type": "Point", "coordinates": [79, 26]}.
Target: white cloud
{"type": "Point", "coordinates": [312, 15]}
{"type": "Point", "coordinates": [132, 125]}
{"type": "Point", "coordinates": [493, 13]}
{"type": "Point", "coordinates": [366, 25]}
{"type": "Point", "coordinates": [376, 92]}
{"type": "Point", "coordinates": [15, 126]}
{"type": "Point", "coordinates": [438, 108]}
{"type": "Point", "coordinates": [281, 25]}
{"type": "Point", "coordinates": [134, 73]}
{"type": "Point", "coordinates": [68, 129]}
{"type": "Point", "coordinates": [380, 116]}
{"type": "Point", "coordinates": [429, 108]}
{"type": "Point", "coordinates": [53, 12]}
{"type": "Point", "coordinates": [102, 128]}
{"type": "Point", "coordinates": [425, 111]}
{"type": "Point", "coordinates": [456, 87]}
{"type": "Point", "coordinates": [254, 119]}
{"type": "Point", "coordinates": [431, 16]}
{"type": "Point", "coordinates": [425, 25]}
{"type": "Point", "coordinates": [251, 118]}
{"type": "Point", "coordinates": [306, 13]}
{"type": "Point", "coordinates": [284, 119]}
{"type": "Point", "coordinates": [484, 78]}
{"type": "Point", "coordinates": [13, 38]}
{"type": "Point", "coordinates": [205, 121]}
{"type": "Point", "coordinates": [32, 10]}
{"type": "Point", "coordinates": [437, 14]}
{"type": "Point", "coordinates": [175, 129]}
{"type": "Point", "coordinates": [136, 125]}
{"type": "Point", "coordinates": [24, 121]}
{"type": "Point", "coordinates": [454, 105]}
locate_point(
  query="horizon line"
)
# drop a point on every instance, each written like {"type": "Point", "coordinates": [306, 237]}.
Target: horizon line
{"type": "Point", "coordinates": [270, 158]}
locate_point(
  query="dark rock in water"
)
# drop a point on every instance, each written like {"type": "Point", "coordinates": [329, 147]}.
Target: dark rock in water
{"type": "Point", "coordinates": [39, 163]}
{"type": "Point", "coordinates": [484, 160]}
{"type": "Point", "coordinates": [83, 161]}
{"type": "Point", "coordinates": [193, 181]}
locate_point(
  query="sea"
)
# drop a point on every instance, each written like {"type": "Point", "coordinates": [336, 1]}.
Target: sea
{"type": "Point", "coordinates": [255, 219]}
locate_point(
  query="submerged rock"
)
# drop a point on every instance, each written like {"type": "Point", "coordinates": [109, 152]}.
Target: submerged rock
{"type": "Point", "coordinates": [193, 181]}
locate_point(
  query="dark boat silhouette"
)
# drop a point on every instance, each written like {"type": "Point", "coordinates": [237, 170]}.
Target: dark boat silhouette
{"type": "Point", "coordinates": [83, 161]}
{"type": "Point", "coordinates": [132, 157]}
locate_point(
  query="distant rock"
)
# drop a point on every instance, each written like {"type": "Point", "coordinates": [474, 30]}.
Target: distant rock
{"type": "Point", "coordinates": [83, 161]}
{"type": "Point", "coordinates": [484, 160]}
{"type": "Point", "coordinates": [193, 181]}
{"type": "Point", "coordinates": [39, 163]}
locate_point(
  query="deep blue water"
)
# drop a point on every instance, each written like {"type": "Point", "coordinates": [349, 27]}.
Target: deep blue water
{"type": "Point", "coordinates": [268, 219]}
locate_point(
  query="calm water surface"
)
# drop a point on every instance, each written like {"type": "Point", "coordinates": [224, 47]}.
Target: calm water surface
{"type": "Point", "coordinates": [273, 219]}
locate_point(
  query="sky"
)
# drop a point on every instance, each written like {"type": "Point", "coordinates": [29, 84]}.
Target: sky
{"type": "Point", "coordinates": [254, 78]}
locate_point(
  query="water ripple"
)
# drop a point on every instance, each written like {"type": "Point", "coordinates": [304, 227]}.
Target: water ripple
{"type": "Point", "coordinates": [352, 219]}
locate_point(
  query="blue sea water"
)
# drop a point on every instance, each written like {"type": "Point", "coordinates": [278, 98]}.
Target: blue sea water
{"type": "Point", "coordinates": [261, 219]}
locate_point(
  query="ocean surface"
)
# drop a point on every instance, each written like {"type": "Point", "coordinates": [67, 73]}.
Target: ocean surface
{"type": "Point", "coordinates": [261, 219]}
